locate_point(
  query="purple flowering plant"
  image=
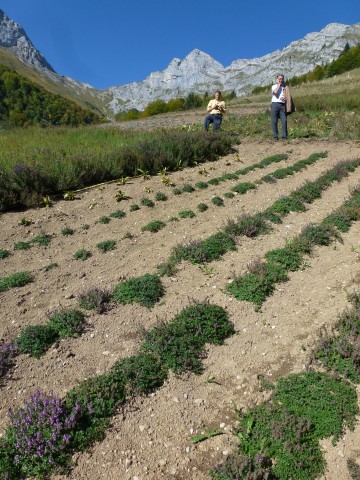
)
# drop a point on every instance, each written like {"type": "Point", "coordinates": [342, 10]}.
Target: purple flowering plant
{"type": "Point", "coordinates": [39, 435]}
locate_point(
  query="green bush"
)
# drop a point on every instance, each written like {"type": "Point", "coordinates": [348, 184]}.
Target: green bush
{"type": "Point", "coordinates": [188, 188]}
{"type": "Point", "coordinates": [67, 323]}
{"type": "Point", "coordinates": [4, 253]}
{"type": "Point", "coordinates": [202, 207]}
{"type": "Point", "coordinates": [146, 202]}
{"type": "Point", "coordinates": [104, 220]}
{"type": "Point", "coordinates": [242, 188]}
{"type": "Point", "coordinates": [187, 214]}
{"type": "Point", "coordinates": [218, 201]}
{"type": "Point", "coordinates": [201, 185]}
{"type": "Point", "coordinates": [36, 340]}
{"type": "Point", "coordinates": [141, 373]}
{"type": "Point", "coordinates": [134, 207]}
{"type": "Point", "coordinates": [66, 231]}
{"type": "Point", "coordinates": [82, 254]}
{"type": "Point", "coordinates": [160, 197]}
{"type": "Point", "coordinates": [117, 214]}
{"type": "Point", "coordinates": [180, 344]}
{"type": "Point", "coordinates": [106, 245]}
{"type": "Point", "coordinates": [18, 279]}
{"type": "Point", "coordinates": [22, 245]}
{"type": "Point", "coordinates": [145, 290]}
{"type": "Point", "coordinates": [153, 226]}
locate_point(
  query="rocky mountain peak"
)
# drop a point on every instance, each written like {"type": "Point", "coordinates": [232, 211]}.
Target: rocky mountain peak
{"type": "Point", "coordinates": [13, 37]}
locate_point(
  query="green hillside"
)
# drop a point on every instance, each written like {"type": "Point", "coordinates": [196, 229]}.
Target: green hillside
{"type": "Point", "coordinates": [59, 87]}
{"type": "Point", "coordinates": [24, 103]}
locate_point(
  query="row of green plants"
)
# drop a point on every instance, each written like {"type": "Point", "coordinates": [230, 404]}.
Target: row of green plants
{"type": "Point", "coordinates": [24, 103]}
{"type": "Point", "coordinates": [42, 436]}
{"type": "Point", "coordinates": [36, 340]}
{"type": "Point", "coordinates": [262, 277]}
{"type": "Point", "coordinates": [58, 168]}
{"type": "Point", "coordinates": [279, 439]}
{"type": "Point", "coordinates": [215, 246]}
{"type": "Point", "coordinates": [241, 188]}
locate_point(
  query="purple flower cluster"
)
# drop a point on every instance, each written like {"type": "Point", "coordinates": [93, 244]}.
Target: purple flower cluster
{"type": "Point", "coordinates": [40, 431]}
{"type": "Point", "coordinates": [8, 352]}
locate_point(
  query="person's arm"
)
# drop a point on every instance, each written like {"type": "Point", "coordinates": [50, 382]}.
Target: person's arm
{"type": "Point", "coordinates": [210, 106]}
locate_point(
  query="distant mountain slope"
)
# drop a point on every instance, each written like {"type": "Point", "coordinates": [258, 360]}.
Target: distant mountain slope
{"type": "Point", "coordinates": [198, 72]}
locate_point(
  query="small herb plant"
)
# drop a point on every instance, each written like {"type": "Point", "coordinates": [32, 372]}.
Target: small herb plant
{"type": "Point", "coordinates": [202, 207]}
{"type": "Point", "coordinates": [66, 231]}
{"type": "Point", "coordinates": [187, 214]}
{"type": "Point", "coordinates": [36, 340]}
{"type": "Point", "coordinates": [145, 290]}
{"type": "Point", "coordinates": [134, 207]}
{"type": "Point", "coordinates": [106, 245]}
{"type": "Point", "coordinates": [146, 202]}
{"type": "Point", "coordinates": [104, 220]}
{"type": "Point", "coordinates": [153, 226]}
{"type": "Point", "coordinates": [4, 253]}
{"type": "Point", "coordinates": [160, 197]}
{"type": "Point", "coordinates": [67, 323]}
{"type": "Point", "coordinates": [117, 214]}
{"type": "Point", "coordinates": [95, 299]}
{"type": "Point", "coordinates": [82, 254]}
{"type": "Point", "coordinates": [218, 201]}
{"type": "Point", "coordinates": [18, 279]}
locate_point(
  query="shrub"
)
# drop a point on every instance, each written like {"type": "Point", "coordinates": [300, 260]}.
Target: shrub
{"type": "Point", "coordinates": [50, 266]}
{"type": "Point", "coordinates": [66, 231]}
{"type": "Point", "coordinates": [317, 234]}
{"type": "Point", "coordinates": [95, 299]}
{"type": "Point", "coordinates": [256, 287]}
{"type": "Point", "coordinates": [36, 340]}
{"type": "Point", "coordinates": [160, 197]}
{"type": "Point", "coordinates": [242, 188]}
{"type": "Point", "coordinates": [180, 344]}
{"type": "Point", "coordinates": [328, 403]}
{"type": "Point", "coordinates": [187, 214]}
{"type": "Point", "coordinates": [206, 251]}
{"type": "Point", "coordinates": [117, 214]}
{"type": "Point", "coordinates": [134, 207]}
{"type": "Point", "coordinates": [167, 268]}
{"type": "Point", "coordinates": [248, 225]}
{"type": "Point", "coordinates": [145, 290]}
{"type": "Point", "coordinates": [201, 185]}
{"type": "Point", "coordinates": [39, 437]}
{"type": "Point", "coordinates": [85, 226]}
{"type": "Point", "coordinates": [285, 257]}
{"type": "Point", "coordinates": [229, 194]}
{"type": "Point", "coordinates": [153, 226]}
{"type": "Point", "coordinates": [213, 181]}
{"type": "Point", "coordinates": [22, 245]}
{"type": "Point", "coordinates": [338, 350]}
{"type": "Point", "coordinates": [106, 245]}
{"type": "Point", "coordinates": [202, 207]}
{"type": "Point", "coordinates": [177, 191]}
{"type": "Point", "coordinates": [82, 254]}
{"type": "Point", "coordinates": [67, 323]}
{"type": "Point", "coordinates": [4, 254]}
{"type": "Point", "coordinates": [218, 201]}
{"type": "Point", "coordinates": [18, 279]}
{"type": "Point", "coordinates": [104, 220]}
{"type": "Point", "coordinates": [188, 188]}
{"type": "Point", "coordinates": [141, 373]}
{"type": "Point", "coordinates": [42, 240]}
{"type": "Point", "coordinates": [285, 205]}
{"type": "Point", "coordinates": [146, 202]}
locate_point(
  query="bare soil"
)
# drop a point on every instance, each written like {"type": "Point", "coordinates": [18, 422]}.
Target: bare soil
{"type": "Point", "coordinates": [150, 437]}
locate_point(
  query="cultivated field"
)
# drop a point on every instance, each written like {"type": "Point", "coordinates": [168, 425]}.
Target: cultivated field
{"type": "Point", "coordinates": [150, 437]}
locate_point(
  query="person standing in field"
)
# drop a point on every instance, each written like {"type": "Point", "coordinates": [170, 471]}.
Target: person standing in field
{"type": "Point", "coordinates": [278, 101]}
{"type": "Point", "coordinates": [216, 110]}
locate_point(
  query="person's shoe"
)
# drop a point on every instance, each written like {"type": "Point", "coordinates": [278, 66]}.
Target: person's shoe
{"type": "Point", "coordinates": [276, 139]}
{"type": "Point", "coordinates": [284, 138]}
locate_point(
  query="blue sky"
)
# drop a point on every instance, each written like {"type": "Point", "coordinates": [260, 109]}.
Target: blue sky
{"type": "Point", "coordinates": [112, 42]}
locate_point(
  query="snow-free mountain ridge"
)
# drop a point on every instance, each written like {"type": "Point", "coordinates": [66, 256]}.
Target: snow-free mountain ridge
{"type": "Point", "coordinates": [198, 72]}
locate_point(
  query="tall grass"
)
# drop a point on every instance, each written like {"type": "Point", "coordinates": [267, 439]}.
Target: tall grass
{"type": "Point", "coordinates": [36, 162]}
